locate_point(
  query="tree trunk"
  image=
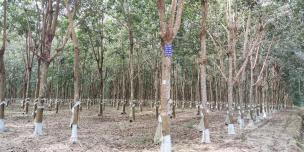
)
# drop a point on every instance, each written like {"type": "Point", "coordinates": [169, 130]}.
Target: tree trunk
{"type": "Point", "coordinates": [76, 105]}
{"type": "Point", "coordinates": [38, 79]}
{"type": "Point", "coordinates": [124, 94]}
{"type": "Point", "coordinates": [156, 88]}
{"type": "Point", "coordinates": [140, 88]}
{"type": "Point", "coordinates": [2, 69]}
{"type": "Point", "coordinates": [183, 90]}
{"type": "Point", "coordinates": [75, 109]}
{"type": "Point", "coordinates": [203, 76]}
{"type": "Point", "coordinates": [174, 92]}
{"type": "Point", "coordinates": [168, 30]}
{"type": "Point", "coordinates": [243, 77]}
{"type": "Point", "coordinates": [191, 89]}
{"type": "Point", "coordinates": [165, 94]}
{"type": "Point", "coordinates": [48, 32]}
{"type": "Point", "coordinates": [2, 91]}
{"type": "Point", "coordinates": [29, 62]}
{"type": "Point", "coordinates": [197, 94]}
{"type": "Point", "coordinates": [231, 64]}
{"type": "Point", "coordinates": [131, 66]}
{"type": "Point", "coordinates": [131, 99]}
{"type": "Point", "coordinates": [41, 99]}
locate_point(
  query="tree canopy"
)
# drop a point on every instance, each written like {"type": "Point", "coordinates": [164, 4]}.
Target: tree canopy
{"type": "Point", "coordinates": [102, 26]}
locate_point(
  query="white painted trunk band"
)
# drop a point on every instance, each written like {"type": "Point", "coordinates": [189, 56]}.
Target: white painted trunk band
{"type": "Point", "coordinates": [231, 129]}
{"type": "Point", "coordinates": [264, 114]}
{"type": "Point", "coordinates": [38, 129]}
{"type": "Point", "coordinates": [74, 134]}
{"type": "Point", "coordinates": [158, 133]}
{"type": "Point", "coordinates": [166, 144]}
{"type": "Point", "coordinates": [241, 122]}
{"type": "Point", "coordinates": [2, 125]}
{"type": "Point", "coordinates": [206, 136]}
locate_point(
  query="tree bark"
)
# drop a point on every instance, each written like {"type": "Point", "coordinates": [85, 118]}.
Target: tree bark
{"type": "Point", "coordinates": [131, 100]}
{"type": "Point", "coordinates": [131, 66]}
{"type": "Point", "coordinates": [124, 93]}
{"type": "Point", "coordinates": [140, 87]}
{"type": "Point", "coordinates": [76, 67]}
{"type": "Point", "coordinates": [2, 68]}
{"type": "Point", "coordinates": [202, 64]}
{"type": "Point", "coordinates": [48, 32]}
{"type": "Point", "coordinates": [156, 87]}
{"type": "Point", "coordinates": [168, 30]}
{"type": "Point", "coordinates": [242, 85]}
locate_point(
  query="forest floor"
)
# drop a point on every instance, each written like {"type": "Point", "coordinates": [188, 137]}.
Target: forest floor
{"type": "Point", "coordinates": [113, 132]}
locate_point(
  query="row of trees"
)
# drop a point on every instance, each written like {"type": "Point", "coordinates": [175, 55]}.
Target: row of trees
{"type": "Point", "coordinates": [224, 52]}
{"type": "Point", "coordinates": [113, 51]}
{"type": "Point", "coordinates": [42, 48]}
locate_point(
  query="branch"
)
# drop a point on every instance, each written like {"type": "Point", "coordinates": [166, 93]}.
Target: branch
{"type": "Point", "coordinates": [24, 60]}
{"type": "Point", "coordinates": [215, 42]}
{"type": "Point", "coordinates": [94, 52]}
{"type": "Point", "coordinates": [257, 52]}
{"type": "Point", "coordinates": [225, 28]}
{"type": "Point", "coordinates": [49, 17]}
{"type": "Point", "coordinates": [264, 64]}
{"type": "Point", "coordinates": [39, 56]}
{"type": "Point", "coordinates": [173, 13]}
{"type": "Point", "coordinates": [178, 17]}
{"type": "Point", "coordinates": [55, 17]}
{"type": "Point", "coordinates": [217, 46]}
{"type": "Point", "coordinates": [31, 47]}
{"type": "Point", "coordinates": [255, 43]}
{"type": "Point", "coordinates": [256, 57]}
{"type": "Point", "coordinates": [161, 14]}
{"type": "Point", "coordinates": [247, 31]}
{"type": "Point", "coordinates": [218, 67]}
{"type": "Point", "coordinates": [243, 66]}
{"type": "Point", "coordinates": [65, 40]}
{"type": "Point", "coordinates": [69, 33]}
{"type": "Point", "coordinates": [71, 23]}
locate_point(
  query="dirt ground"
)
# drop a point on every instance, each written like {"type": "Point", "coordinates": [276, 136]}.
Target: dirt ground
{"type": "Point", "coordinates": [113, 132]}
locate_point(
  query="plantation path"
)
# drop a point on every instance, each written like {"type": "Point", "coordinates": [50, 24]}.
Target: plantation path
{"type": "Point", "coordinates": [113, 132]}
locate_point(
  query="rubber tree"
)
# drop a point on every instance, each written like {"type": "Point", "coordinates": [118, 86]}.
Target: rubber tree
{"type": "Point", "coordinates": [140, 84]}
{"type": "Point", "coordinates": [168, 30]}
{"type": "Point", "coordinates": [50, 14]}
{"type": "Point", "coordinates": [131, 56]}
{"type": "Point", "coordinates": [156, 88]}
{"type": "Point", "coordinates": [98, 47]}
{"type": "Point", "coordinates": [233, 72]}
{"type": "Point", "coordinates": [230, 51]}
{"type": "Point", "coordinates": [253, 62]}
{"type": "Point", "coordinates": [2, 68]}
{"type": "Point", "coordinates": [28, 59]}
{"type": "Point", "coordinates": [259, 82]}
{"type": "Point", "coordinates": [99, 58]}
{"type": "Point", "coordinates": [76, 68]}
{"type": "Point", "coordinates": [242, 84]}
{"type": "Point", "coordinates": [203, 75]}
